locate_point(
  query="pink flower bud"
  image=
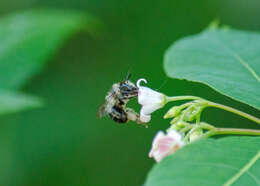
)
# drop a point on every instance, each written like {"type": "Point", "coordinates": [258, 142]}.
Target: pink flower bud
{"type": "Point", "coordinates": [165, 144]}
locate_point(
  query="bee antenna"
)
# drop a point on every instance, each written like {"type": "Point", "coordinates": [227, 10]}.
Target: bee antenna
{"type": "Point", "coordinates": [128, 76]}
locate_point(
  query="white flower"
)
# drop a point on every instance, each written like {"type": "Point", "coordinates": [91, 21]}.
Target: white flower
{"type": "Point", "coordinates": [150, 101]}
{"type": "Point", "coordinates": [165, 144]}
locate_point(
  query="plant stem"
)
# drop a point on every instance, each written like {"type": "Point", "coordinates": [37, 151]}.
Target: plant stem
{"type": "Point", "coordinates": [185, 129]}
{"type": "Point", "coordinates": [187, 137]}
{"type": "Point", "coordinates": [179, 98]}
{"type": "Point", "coordinates": [235, 111]}
{"type": "Point", "coordinates": [207, 134]}
{"type": "Point", "coordinates": [236, 131]}
{"type": "Point", "coordinates": [216, 105]}
{"type": "Point", "coordinates": [232, 131]}
{"type": "Point", "coordinates": [212, 131]}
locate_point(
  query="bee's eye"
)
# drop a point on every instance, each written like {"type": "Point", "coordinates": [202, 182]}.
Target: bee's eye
{"type": "Point", "coordinates": [124, 88]}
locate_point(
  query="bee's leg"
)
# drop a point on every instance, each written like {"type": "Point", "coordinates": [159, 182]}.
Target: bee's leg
{"type": "Point", "coordinates": [133, 116]}
{"type": "Point", "coordinates": [118, 114]}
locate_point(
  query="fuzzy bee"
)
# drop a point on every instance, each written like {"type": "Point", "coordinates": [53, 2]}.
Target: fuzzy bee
{"type": "Point", "coordinates": [116, 100]}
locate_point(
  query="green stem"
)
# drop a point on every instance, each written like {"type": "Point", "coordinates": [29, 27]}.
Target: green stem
{"type": "Point", "coordinates": [186, 129]}
{"type": "Point", "coordinates": [232, 131]}
{"type": "Point", "coordinates": [235, 131]}
{"type": "Point", "coordinates": [179, 98]}
{"type": "Point", "coordinates": [235, 111]}
{"type": "Point", "coordinates": [187, 137]}
{"type": "Point", "coordinates": [207, 135]}
{"type": "Point", "coordinates": [207, 126]}
{"type": "Point", "coordinates": [216, 105]}
{"type": "Point", "coordinates": [212, 131]}
{"type": "Point", "coordinates": [198, 118]}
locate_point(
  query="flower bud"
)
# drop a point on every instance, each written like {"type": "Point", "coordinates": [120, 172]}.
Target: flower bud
{"type": "Point", "coordinates": [175, 120]}
{"type": "Point", "coordinates": [196, 135]}
{"type": "Point", "coordinates": [174, 111]}
{"type": "Point", "coordinates": [174, 127]}
{"type": "Point", "coordinates": [191, 112]}
{"type": "Point", "coordinates": [165, 144]}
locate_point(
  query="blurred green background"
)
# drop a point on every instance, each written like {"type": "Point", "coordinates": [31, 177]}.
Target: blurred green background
{"type": "Point", "coordinates": [64, 143]}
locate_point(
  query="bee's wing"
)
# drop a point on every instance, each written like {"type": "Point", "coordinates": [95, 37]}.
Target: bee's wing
{"type": "Point", "coordinates": [102, 110]}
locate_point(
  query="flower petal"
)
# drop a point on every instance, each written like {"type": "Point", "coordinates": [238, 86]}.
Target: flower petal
{"type": "Point", "coordinates": [165, 144]}
{"type": "Point", "coordinates": [145, 118]}
{"type": "Point", "coordinates": [150, 101]}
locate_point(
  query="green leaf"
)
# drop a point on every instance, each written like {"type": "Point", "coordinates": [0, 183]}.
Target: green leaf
{"type": "Point", "coordinates": [225, 59]}
{"type": "Point", "coordinates": [28, 39]}
{"type": "Point", "coordinates": [13, 102]}
{"type": "Point", "coordinates": [230, 160]}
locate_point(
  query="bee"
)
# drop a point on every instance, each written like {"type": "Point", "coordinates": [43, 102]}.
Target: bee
{"type": "Point", "coordinates": [116, 100]}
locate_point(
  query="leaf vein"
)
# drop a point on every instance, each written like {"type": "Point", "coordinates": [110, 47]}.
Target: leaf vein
{"type": "Point", "coordinates": [240, 59]}
{"type": "Point", "coordinates": [244, 170]}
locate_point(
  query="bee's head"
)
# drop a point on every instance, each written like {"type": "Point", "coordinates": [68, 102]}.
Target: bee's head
{"type": "Point", "coordinates": [128, 90]}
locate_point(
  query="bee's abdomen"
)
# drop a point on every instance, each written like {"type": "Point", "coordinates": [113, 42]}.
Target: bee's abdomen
{"type": "Point", "coordinates": [118, 114]}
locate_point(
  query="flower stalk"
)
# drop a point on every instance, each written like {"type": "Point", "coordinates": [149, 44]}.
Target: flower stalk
{"type": "Point", "coordinates": [216, 105]}
{"type": "Point", "coordinates": [235, 111]}
{"type": "Point", "coordinates": [211, 131]}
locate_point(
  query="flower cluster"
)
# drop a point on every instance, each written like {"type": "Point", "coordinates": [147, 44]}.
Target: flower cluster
{"type": "Point", "coordinates": [186, 126]}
